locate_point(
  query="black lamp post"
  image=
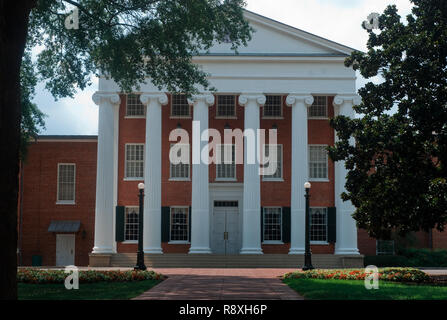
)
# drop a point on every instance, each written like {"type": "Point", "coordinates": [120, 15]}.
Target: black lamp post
{"type": "Point", "coordinates": [140, 255]}
{"type": "Point", "coordinates": [307, 254]}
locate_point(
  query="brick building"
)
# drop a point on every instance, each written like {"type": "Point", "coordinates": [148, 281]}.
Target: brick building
{"type": "Point", "coordinates": [80, 193]}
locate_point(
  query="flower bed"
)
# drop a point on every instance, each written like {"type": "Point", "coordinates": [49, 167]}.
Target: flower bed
{"type": "Point", "coordinates": [85, 276]}
{"type": "Point", "coordinates": [387, 274]}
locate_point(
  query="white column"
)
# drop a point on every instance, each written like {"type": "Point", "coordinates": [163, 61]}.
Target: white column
{"type": "Point", "coordinates": [152, 172]}
{"type": "Point", "coordinates": [105, 174]}
{"type": "Point", "coordinates": [300, 169]}
{"type": "Point", "coordinates": [200, 205]}
{"type": "Point", "coordinates": [346, 242]}
{"type": "Point", "coordinates": [251, 214]}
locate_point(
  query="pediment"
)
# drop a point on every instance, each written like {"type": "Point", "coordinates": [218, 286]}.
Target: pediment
{"type": "Point", "coordinates": [275, 38]}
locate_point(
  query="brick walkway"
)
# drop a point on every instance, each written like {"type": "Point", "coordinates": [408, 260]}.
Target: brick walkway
{"type": "Point", "coordinates": [221, 284]}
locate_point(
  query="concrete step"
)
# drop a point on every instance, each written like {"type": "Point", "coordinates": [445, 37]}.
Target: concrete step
{"type": "Point", "coordinates": [235, 261]}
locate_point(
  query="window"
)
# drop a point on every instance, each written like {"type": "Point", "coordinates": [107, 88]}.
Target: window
{"type": "Point", "coordinates": [272, 224]}
{"type": "Point", "coordinates": [134, 107]}
{"type": "Point", "coordinates": [134, 161]}
{"type": "Point", "coordinates": [318, 163]}
{"type": "Point", "coordinates": [226, 106]}
{"type": "Point", "coordinates": [318, 224]}
{"type": "Point", "coordinates": [226, 204]}
{"type": "Point", "coordinates": [273, 107]}
{"type": "Point", "coordinates": [180, 106]}
{"type": "Point", "coordinates": [278, 173]}
{"type": "Point", "coordinates": [180, 171]}
{"type": "Point", "coordinates": [226, 170]}
{"type": "Point", "coordinates": [385, 247]}
{"type": "Point", "coordinates": [179, 224]}
{"type": "Point", "coordinates": [319, 108]}
{"type": "Point", "coordinates": [66, 183]}
{"type": "Point", "coordinates": [131, 224]}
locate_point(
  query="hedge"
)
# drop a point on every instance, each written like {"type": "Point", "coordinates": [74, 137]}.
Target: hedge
{"type": "Point", "coordinates": [410, 258]}
{"type": "Point", "coordinates": [387, 274]}
{"type": "Point", "coordinates": [29, 275]}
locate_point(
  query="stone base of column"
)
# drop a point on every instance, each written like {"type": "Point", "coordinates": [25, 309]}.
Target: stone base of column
{"type": "Point", "coordinates": [153, 250]}
{"type": "Point", "coordinates": [347, 251]}
{"type": "Point", "coordinates": [104, 250]}
{"type": "Point", "coordinates": [251, 251]}
{"type": "Point", "coordinates": [297, 251]}
{"type": "Point", "coordinates": [200, 250]}
{"type": "Point", "coordinates": [99, 260]}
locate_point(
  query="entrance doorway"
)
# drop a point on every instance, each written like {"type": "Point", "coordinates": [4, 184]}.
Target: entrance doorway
{"type": "Point", "coordinates": [65, 249]}
{"type": "Point", "coordinates": [225, 236]}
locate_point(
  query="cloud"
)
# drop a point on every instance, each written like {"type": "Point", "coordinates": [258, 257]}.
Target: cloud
{"type": "Point", "coordinates": [69, 116]}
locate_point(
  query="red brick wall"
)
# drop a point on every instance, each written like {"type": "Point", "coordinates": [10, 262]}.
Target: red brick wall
{"type": "Point", "coordinates": [272, 193]}
{"type": "Point", "coordinates": [439, 239]}
{"type": "Point", "coordinates": [365, 243]}
{"type": "Point", "coordinates": [40, 193]}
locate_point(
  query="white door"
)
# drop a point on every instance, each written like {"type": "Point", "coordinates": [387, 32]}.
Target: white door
{"type": "Point", "coordinates": [225, 234]}
{"type": "Point", "coordinates": [65, 249]}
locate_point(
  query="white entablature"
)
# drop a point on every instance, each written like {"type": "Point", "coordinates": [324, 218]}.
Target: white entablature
{"type": "Point", "coordinates": [279, 59]}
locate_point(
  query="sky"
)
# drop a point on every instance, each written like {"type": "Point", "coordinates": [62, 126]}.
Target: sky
{"type": "Point", "coordinates": [336, 20]}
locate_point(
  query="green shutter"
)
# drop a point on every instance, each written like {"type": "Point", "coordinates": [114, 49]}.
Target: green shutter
{"type": "Point", "coordinates": [262, 224]}
{"type": "Point", "coordinates": [119, 224]}
{"type": "Point", "coordinates": [286, 224]}
{"type": "Point", "coordinates": [165, 223]}
{"type": "Point", "coordinates": [332, 224]}
{"type": "Point", "coordinates": [189, 224]}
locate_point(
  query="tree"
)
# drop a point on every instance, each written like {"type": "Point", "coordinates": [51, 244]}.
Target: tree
{"type": "Point", "coordinates": [397, 174]}
{"type": "Point", "coordinates": [32, 118]}
{"type": "Point", "coordinates": [128, 40]}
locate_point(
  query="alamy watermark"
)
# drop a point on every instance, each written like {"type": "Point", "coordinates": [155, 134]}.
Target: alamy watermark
{"type": "Point", "coordinates": [372, 277]}
{"type": "Point", "coordinates": [207, 147]}
{"type": "Point", "coordinates": [372, 21]}
{"type": "Point", "coordinates": [72, 280]}
{"type": "Point", "coordinates": [72, 20]}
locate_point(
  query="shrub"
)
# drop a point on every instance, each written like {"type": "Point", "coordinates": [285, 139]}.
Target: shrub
{"type": "Point", "coordinates": [29, 275]}
{"type": "Point", "coordinates": [425, 257]}
{"type": "Point", "coordinates": [411, 257]}
{"type": "Point", "coordinates": [387, 261]}
{"type": "Point", "coordinates": [387, 274]}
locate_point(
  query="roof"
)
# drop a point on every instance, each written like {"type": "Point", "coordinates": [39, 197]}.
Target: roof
{"type": "Point", "coordinates": [341, 47]}
{"type": "Point", "coordinates": [272, 38]}
{"type": "Point", "coordinates": [64, 226]}
{"type": "Point", "coordinates": [67, 137]}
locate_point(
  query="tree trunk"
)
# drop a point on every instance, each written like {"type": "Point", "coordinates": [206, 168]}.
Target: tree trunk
{"type": "Point", "coordinates": [13, 31]}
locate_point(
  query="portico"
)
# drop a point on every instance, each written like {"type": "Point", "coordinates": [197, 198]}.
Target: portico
{"type": "Point", "coordinates": [229, 216]}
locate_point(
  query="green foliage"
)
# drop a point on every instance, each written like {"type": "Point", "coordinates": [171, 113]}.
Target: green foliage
{"type": "Point", "coordinates": [32, 118]}
{"type": "Point", "coordinates": [387, 274]}
{"type": "Point", "coordinates": [387, 261]}
{"type": "Point", "coordinates": [410, 257]}
{"type": "Point", "coordinates": [425, 257]}
{"type": "Point", "coordinates": [397, 177]}
{"type": "Point", "coordinates": [85, 276]}
{"type": "Point", "coordinates": [355, 290]}
{"type": "Point", "coordinates": [132, 40]}
{"type": "Point", "coordinates": [87, 291]}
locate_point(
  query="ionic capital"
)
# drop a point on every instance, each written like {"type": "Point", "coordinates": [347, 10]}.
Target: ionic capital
{"type": "Point", "coordinates": [245, 98]}
{"type": "Point", "coordinates": [208, 99]}
{"type": "Point", "coordinates": [296, 98]}
{"type": "Point", "coordinates": [340, 99]}
{"type": "Point", "coordinates": [158, 97]}
{"type": "Point", "coordinates": [111, 98]}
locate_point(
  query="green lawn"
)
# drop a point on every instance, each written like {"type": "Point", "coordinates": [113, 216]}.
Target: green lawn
{"type": "Point", "coordinates": [86, 291]}
{"type": "Point", "coordinates": [321, 289]}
